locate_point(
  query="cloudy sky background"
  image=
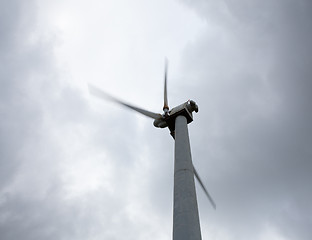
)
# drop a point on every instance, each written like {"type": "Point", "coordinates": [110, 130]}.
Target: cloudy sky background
{"type": "Point", "coordinates": [74, 167]}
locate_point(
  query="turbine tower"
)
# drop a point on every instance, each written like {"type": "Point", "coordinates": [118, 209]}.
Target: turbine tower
{"type": "Point", "coordinates": [186, 224]}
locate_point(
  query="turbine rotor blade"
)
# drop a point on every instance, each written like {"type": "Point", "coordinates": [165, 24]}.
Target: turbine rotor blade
{"type": "Point", "coordinates": [101, 94]}
{"type": "Point", "coordinates": [166, 107]}
{"type": "Point", "coordinates": [204, 188]}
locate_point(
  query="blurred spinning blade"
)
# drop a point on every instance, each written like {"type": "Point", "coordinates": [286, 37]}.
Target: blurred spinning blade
{"type": "Point", "coordinates": [166, 107]}
{"type": "Point", "coordinates": [101, 94]}
{"type": "Point", "coordinates": [204, 188]}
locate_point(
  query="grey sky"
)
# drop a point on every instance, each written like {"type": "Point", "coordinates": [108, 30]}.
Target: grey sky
{"type": "Point", "coordinates": [73, 167]}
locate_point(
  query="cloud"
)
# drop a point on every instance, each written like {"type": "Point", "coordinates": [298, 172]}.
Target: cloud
{"type": "Point", "coordinates": [66, 171]}
{"type": "Point", "coordinates": [254, 94]}
{"type": "Point", "coordinates": [74, 167]}
{"type": "Point", "coordinates": [34, 108]}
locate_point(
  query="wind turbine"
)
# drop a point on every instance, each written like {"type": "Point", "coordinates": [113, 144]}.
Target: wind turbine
{"type": "Point", "coordinates": [186, 224]}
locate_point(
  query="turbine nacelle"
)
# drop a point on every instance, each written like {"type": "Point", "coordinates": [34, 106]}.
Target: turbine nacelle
{"type": "Point", "coordinates": [167, 119]}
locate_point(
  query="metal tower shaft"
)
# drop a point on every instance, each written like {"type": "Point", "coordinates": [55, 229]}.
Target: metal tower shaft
{"type": "Point", "coordinates": [186, 224]}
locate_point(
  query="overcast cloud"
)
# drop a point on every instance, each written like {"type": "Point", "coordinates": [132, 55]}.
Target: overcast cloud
{"type": "Point", "coordinates": [73, 167]}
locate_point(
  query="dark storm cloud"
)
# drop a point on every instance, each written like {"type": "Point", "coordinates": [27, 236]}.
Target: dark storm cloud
{"type": "Point", "coordinates": [256, 110]}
